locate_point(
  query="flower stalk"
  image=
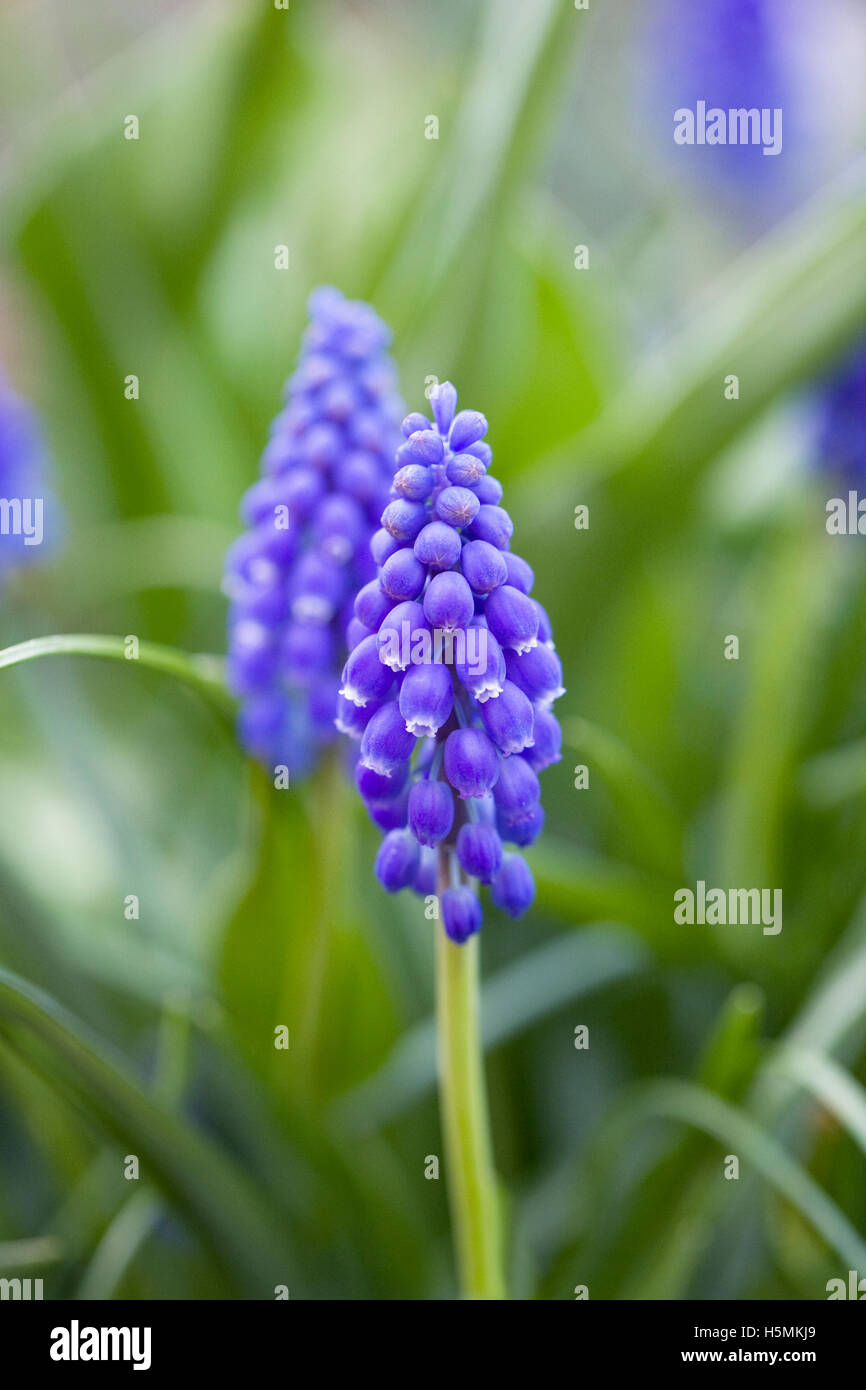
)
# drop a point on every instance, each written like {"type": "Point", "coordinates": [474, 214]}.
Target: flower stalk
{"type": "Point", "coordinates": [472, 1183]}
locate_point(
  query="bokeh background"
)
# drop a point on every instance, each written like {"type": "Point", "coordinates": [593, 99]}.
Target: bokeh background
{"type": "Point", "coordinates": [604, 386]}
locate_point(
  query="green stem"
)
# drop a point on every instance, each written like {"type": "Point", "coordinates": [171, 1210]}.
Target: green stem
{"type": "Point", "coordinates": [472, 1186]}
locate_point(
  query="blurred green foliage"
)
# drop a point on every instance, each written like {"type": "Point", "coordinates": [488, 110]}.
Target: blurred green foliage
{"type": "Point", "coordinates": [155, 1036]}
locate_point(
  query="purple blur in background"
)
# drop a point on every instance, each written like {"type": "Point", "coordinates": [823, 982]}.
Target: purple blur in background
{"type": "Point", "coordinates": [292, 576]}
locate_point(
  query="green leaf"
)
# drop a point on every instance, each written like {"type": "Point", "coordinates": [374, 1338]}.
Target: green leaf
{"type": "Point", "coordinates": [698, 1108]}
{"type": "Point", "coordinates": [831, 778]}
{"type": "Point", "coordinates": [220, 1202]}
{"type": "Point", "coordinates": [777, 315]}
{"type": "Point", "coordinates": [203, 673]}
{"type": "Point", "coordinates": [796, 594]}
{"type": "Point", "coordinates": [294, 952]}
{"type": "Point", "coordinates": [733, 1051]}
{"type": "Point", "coordinates": [521, 51]}
{"type": "Point", "coordinates": [642, 804]}
{"type": "Point", "coordinates": [835, 1088]}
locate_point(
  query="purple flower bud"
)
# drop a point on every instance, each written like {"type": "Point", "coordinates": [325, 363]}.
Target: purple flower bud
{"type": "Point", "coordinates": [513, 888]}
{"type": "Point", "coordinates": [545, 751]}
{"type": "Point", "coordinates": [521, 830]}
{"type": "Point", "coordinates": [438, 546]}
{"type": "Point", "coordinates": [252, 659]}
{"type": "Point", "coordinates": [492, 524]}
{"type": "Point", "coordinates": [516, 791]}
{"type": "Point", "coordinates": [423, 446]}
{"type": "Point", "coordinates": [260, 720]}
{"type": "Point", "coordinates": [364, 676]}
{"type": "Point", "coordinates": [424, 882]}
{"type": "Point", "coordinates": [545, 627]}
{"type": "Point", "coordinates": [339, 527]}
{"type": "Point", "coordinates": [482, 452]}
{"type": "Point", "coordinates": [413, 481]}
{"type": "Point", "coordinates": [382, 545]}
{"type": "Point", "coordinates": [461, 913]}
{"type": "Point", "coordinates": [385, 742]}
{"type": "Point", "coordinates": [488, 490]}
{"type": "Point", "coordinates": [509, 720]}
{"type": "Point", "coordinates": [431, 811]}
{"type": "Point", "coordinates": [479, 850]}
{"type": "Point", "coordinates": [403, 576]}
{"type": "Point", "coordinates": [322, 697]}
{"type": "Point", "coordinates": [275, 542]}
{"type": "Point", "coordinates": [469, 426]}
{"type": "Point", "coordinates": [443, 403]}
{"type": "Point", "coordinates": [321, 445]}
{"type": "Point", "coordinates": [299, 492]}
{"type": "Point", "coordinates": [356, 631]}
{"type": "Point", "coordinates": [397, 861]}
{"type": "Point", "coordinates": [512, 618]}
{"type": "Point", "coordinates": [315, 589]}
{"type": "Point", "coordinates": [483, 671]}
{"type": "Point", "coordinates": [404, 519]}
{"type": "Point", "coordinates": [306, 650]}
{"type": "Point", "coordinates": [456, 505]}
{"type": "Point", "coordinates": [353, 719]}
{"type": "Point", "coordinates": [483, 566]}
{"type": "Point", "coordinates": [389, 813]}
{"type": "Point", "coordinates": [538, 672]}
{"type": "Point", "coordinates": [367, 430]}
{"type": "Point", "coordinates": [414, 421]}
{"type": "Point", "coordinates": [375, 786]}
{"type": "Point", "coordinates": [397, 633]}
{"type": "Point", "coordinates": [372, 604]}
{"type": "Point", "coordinates": [339, 401]}
{"type": "Point", "coordinates": [448, 603]}
{"type": "Point", "coordinates": [426, 699]}
{"type": "Point", "coordinates": [266, 604]}
{"type": "Point", "coordinates": [464, 470]}
{"type": "Point", "coordinates": [359, 474]}
{"type": "Point", "coordinates": [520, 574]}
{"type": "Point", "coordinates": [471, 762]}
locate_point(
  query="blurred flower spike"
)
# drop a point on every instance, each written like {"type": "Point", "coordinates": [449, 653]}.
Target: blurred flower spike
{"type": "Point", "coordinates": [291, 577]}
{"type": "Point", "coordinates": [451, 677]}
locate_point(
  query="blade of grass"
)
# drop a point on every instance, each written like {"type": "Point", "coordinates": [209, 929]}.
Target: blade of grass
{"type": "Point", "coordinates": [835, 1088]}
{"type": "Point", "coordinates": [698, 1108]}
{"type": "Point", "coordinates": [202, 672]}
{"type": "Point", "coordinates": [220, 1202]}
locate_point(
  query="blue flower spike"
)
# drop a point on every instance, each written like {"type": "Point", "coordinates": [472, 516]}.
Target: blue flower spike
{"type": "Point", "coordinates": [452, 675]}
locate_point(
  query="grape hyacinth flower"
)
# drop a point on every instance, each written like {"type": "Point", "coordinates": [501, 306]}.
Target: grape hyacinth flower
{"type": "Point", "coordinates": [29, 522]}
{"type": "Point", "coordinates": [292, 576]}
{"type": "Point", "coordinates": [453, 674]}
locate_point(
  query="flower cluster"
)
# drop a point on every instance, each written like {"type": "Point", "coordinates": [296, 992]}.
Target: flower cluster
{"type": "Point", "coordinates": [451, 676]}
{"type": "Point", "coordinates": [291, 577]}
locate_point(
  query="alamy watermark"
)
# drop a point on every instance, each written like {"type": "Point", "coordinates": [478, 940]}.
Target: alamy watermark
{"type": "Point", "coordinates": [410, 646]}
{"type": "Point", "coordinates": [846, 516]}
{"type": "Point", "coordinates": [729, 907]}
{"type": "Point", "coordinates": [22, 1290]}
{"type": "Point", "coordinates": [738, 125]}
{"type": "Point", "coordinates": [77, 1343]}
{"type": "Point", "coordinates": [22, 516]}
